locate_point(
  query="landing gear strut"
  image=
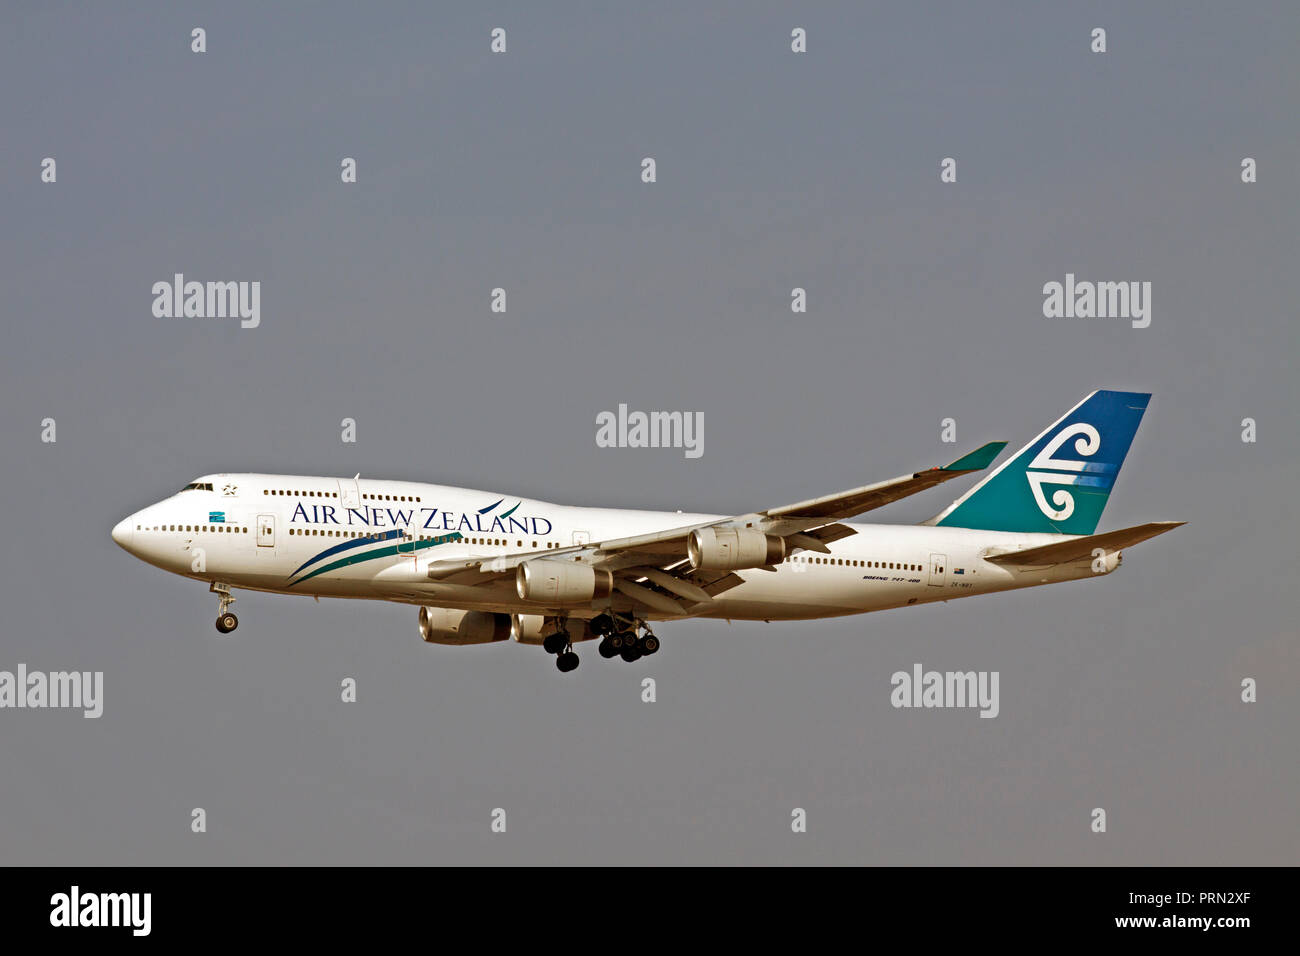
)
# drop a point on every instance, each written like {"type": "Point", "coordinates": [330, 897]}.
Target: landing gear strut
{"type": "Point", "coordinates": [559, 644]}
{"type": "Point", "coordinates": [226, 621]}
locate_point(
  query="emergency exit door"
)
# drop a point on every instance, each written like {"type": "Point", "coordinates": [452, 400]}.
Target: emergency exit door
{"type": "Point", "coordinates": [266, 531]}
{"type": "Point", "coordinates": [938, 569]}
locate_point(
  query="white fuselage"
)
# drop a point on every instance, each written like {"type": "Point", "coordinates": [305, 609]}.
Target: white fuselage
{"type": "Point", "coordinates": [374, 539]}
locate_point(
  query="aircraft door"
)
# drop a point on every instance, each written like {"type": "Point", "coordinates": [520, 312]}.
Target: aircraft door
{"type": "Point", "coordinates": [349, 495]}
{"type": "Point", "coordinates": [266, 531]}
{"type": "Point", "coordinates": [938, 570]}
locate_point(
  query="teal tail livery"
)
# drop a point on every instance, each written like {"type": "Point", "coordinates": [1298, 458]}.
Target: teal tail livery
{"type": "Point", "coordinates": [1060, 481]}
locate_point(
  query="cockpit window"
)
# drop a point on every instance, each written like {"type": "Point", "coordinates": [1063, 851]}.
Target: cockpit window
{"type": "Point", "coordinates": [198, 486]}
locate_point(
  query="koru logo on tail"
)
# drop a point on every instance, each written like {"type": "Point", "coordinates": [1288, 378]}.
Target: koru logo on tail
{"type": "Point", "coordinates": [1087, 444]}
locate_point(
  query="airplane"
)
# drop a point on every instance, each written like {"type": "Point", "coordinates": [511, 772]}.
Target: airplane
{"type": "Point", "coordinates": [485, 568]}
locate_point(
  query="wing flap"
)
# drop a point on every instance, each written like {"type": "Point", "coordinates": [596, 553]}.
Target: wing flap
{"type": "Point", "coordinates": [676, 585]}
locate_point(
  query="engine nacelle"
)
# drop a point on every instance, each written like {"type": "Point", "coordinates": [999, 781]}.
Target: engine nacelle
{"type": "Point", "coordinates": [534, 628]}
{"type": "Point", "coordinates": [529, 628]}
{"type": "Point", "coordinates": [733, 549]}
{"type": "Point", "coordinates": [561, 582]}
{"type": "Point", "coordinates": [440, 625]}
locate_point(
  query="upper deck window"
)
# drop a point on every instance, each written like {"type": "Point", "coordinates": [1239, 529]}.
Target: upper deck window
{"type": "Point", "coordinates": [198, 486]}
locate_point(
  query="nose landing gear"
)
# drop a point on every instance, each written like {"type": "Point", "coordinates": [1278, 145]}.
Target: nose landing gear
{"type": "Point", "coordinates": [226, 621]}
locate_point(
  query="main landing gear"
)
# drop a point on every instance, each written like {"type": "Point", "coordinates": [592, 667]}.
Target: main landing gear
{"type": "Point", "coordinates": [226, 621]}
{"type": "Point", "coordinates": [561, 646]}
{"type": "Point", "coordinates": [619, 637]}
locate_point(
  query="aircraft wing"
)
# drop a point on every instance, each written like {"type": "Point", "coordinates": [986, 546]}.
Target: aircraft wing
{"type": "Point", "coordinates": [845, 504]}
{"type": "Point", "coordinates": [652, 569]}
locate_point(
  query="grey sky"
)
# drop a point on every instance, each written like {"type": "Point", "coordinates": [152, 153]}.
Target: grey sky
{"type": "Point", "coordinates": [775, 170]}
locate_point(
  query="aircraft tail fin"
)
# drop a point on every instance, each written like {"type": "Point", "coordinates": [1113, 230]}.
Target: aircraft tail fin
{"type": "Point", "coordinates": [1060, 482]}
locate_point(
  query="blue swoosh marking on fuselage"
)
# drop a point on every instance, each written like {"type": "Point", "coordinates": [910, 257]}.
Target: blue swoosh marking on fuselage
{"type": "Point", "coordinates": [344, 546]}
{"type": "Point", "coordinates": [386, 552]}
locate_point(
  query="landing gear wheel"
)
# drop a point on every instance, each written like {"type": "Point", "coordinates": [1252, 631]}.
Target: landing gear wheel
{"type": "Point", "coordinates": [648, 644]}
{"type": "Point", "coordinates": [556, 643]}
{"type": "Point", "coordinates": [603, 625]}
{"type": "Point", "coordinates": [607, 648]}
{"type": "Point", "coordinates": [226, 622]}
{"type": "Point", "coordinates": [622, 639]}
{"type": "Point", "coordinates": [566, 662]}
{"type": "Point", "coordinates": [630, 653]}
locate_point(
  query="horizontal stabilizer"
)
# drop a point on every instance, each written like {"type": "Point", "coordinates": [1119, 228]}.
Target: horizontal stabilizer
{"type": "Point", "coordinates": [1081, 549]}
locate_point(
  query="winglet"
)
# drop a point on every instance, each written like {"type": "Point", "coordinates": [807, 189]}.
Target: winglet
{"type": "Point", "coordinates": [979, 459]}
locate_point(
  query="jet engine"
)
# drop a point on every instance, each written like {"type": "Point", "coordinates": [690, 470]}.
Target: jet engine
{"type": "Point", "coordinates": [561, 582]}
{"type": "Point", "coordinates": [732, 549]}
{"type": "Point", "coordinates": [442, 626]}
{"type": "Point", "coordinates": [529, 628]}
{"type": "Point", "coordinates": [534, 628]}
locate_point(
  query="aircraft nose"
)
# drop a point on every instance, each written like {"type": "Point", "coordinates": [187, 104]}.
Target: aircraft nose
{"type": "Point", "coordinates": [124, 533]}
